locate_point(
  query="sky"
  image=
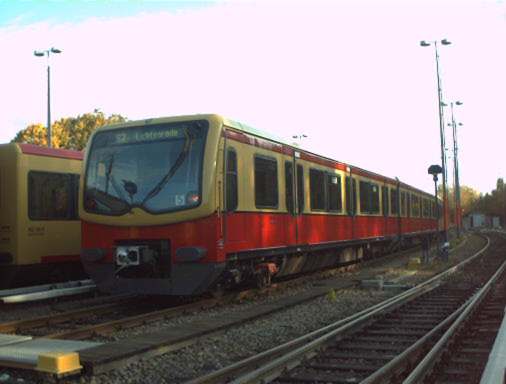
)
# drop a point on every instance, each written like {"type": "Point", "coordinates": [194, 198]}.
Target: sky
{"type": "Point", "coordinates": [351, 75]}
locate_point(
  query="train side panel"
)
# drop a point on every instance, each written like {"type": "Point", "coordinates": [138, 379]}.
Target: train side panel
{"type": "Point", "coordinates": [47, 240]}
{"type": "Point", "coordinates": [9, 215]}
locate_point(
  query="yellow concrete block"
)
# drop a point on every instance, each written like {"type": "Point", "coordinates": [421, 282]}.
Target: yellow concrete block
{"type": "Point", "coordinates": [59, 362]}
{"type": "Point", "coordinates": [414, 263]}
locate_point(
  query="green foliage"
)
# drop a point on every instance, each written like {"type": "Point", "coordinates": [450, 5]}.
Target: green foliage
{"type": "Point", "coordinates": [468, 199]}
{"type": "Point", "coordinates": [68, 132]}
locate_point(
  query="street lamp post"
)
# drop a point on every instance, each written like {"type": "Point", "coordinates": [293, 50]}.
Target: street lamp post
{"type": "Point", "coordinates": [41, 54]}
{"type": "Point", "coordinates": [299, 138]}
{"type": "Point", "coordinates": [458, 213]}
{"type": "Point", "coordinates": [423, 43]}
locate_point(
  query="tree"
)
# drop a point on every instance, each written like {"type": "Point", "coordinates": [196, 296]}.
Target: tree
{"type": "Point", "coordinates": [468, 199]}
{"type": "Point", "coordinates": [68, 132]}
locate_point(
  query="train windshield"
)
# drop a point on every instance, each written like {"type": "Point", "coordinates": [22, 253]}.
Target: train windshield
{"type": "Point", "coordinates": [157, 168]}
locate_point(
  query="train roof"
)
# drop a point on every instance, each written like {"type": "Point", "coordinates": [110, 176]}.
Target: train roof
{"type": "Point", "coordinates": [256, 132]}
{"type": "Point", "coordinates": [261, 134]}
{"type": "Point", "coordinates": [37, 150]}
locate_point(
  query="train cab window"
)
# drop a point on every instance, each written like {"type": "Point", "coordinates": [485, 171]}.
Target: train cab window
{"type": "Point", "coordinates": [317, 189]}
{"type": "Point", "coordinates": [385, 200]}
{"type": "Point", "coordinates": [231, 181]}
{"type": "Point", "coordinates": [300, 188]}
{"type": "Point", "coordinates": [52, 196]}
{"type": "Point", "coordinates": [75, 194]}
{"type": "Point", "coordinates": [394, 202]}
{"type": "Point", "coordinates": [289, 196]}
{"type": "Point", "coordinates": [369, 197]}
{"type": "Point", "coordinates": [334, 194]}
{"type": "Point", "coordinates": [266, 182]}
{"type": "Point", "coordinates": [351, 198]}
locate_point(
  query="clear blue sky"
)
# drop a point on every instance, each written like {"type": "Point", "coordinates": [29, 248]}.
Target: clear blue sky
{"type": "Point", "coordinates": [30, 11]}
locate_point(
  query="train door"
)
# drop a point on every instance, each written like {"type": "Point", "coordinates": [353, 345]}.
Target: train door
{"type": "Point", "coordinates": [290, 223]}
{"type": "Point", "coordinates": [385, 209]}
{"type": "Point", "coordinates": [296, 207]}
{"type": "Point", "coordinates": [234, 225]}
{"type": "Point", "coordinates": [351, 204]}
{"type": "Point", "coordinates": [398, 208]}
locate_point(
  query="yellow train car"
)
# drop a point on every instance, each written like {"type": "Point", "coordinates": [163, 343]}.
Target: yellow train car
{"type": "Point", "coordinates": [40, 230]}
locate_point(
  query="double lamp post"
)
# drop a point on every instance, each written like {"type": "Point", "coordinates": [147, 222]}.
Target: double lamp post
{"type": "Point", "coordinates": [47, 53]}
{"type": "Point", "coordinates": [443, 168]}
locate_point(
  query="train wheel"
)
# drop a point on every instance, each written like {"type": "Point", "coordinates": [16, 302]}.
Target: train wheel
{"type": "Point", "coordinates": [263, 278]}
{"type": "Point", "coordinates": [218, 291]}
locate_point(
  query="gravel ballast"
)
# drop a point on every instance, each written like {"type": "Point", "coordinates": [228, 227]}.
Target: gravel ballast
{"type": "Point", "coordinates": [242, 341]}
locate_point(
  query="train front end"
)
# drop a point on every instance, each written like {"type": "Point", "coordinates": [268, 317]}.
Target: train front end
{"type": "Point", "coordinates": [149, 205]}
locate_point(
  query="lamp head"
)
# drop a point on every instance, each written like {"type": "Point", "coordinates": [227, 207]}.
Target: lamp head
{"type": "Point", "coordinates": [445, 42]}
{"type": "Point", "coordinates": [459, 103]}
{"type": "Point", "coordinates": [55, 50]}
{"type": "Point", "coordinates": [38, 53]}
{"type": "Point", "coordinates": [434, 170]}
{"type": "Point", "coordinates": [423, 43]}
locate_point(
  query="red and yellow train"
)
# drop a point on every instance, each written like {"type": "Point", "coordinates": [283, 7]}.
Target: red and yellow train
{"type": "Point", "coordinates": [182, 205]}
{"type": "Point", "coordinates": [40, 231]}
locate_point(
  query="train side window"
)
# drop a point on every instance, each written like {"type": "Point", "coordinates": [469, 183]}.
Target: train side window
{"type": "Point", "coordinates": [334, 193]}
{"type": "Point", "coordinates": [289, 197]}
{"type": "Point", "coordinates": [231, 181]}
{"type": "Point", "coordinates": [394, 202]}
{"type": "Point", "coordinates": [403, 204]}
{"type": "Point", "coordinates": [385, 200]}
{"type": "Point", "coordinates": [317, 189]}
{"type": "Point", "coordinates": [266, 182]}
{"type": "Point", "coordinates": [408, 201]}
{"type": "Point", "coordinates": [300, 188]}
{"type": "Point", "coordinates": [369, 197]}
{"type": "Point", "coordinates": [52, 196]}
{"type": "Point", "coordinates": [415, 205]}
{"type": "Point", "coordinates": [426, 207]}
{"type": "Point", "coordinates": [351, 198]}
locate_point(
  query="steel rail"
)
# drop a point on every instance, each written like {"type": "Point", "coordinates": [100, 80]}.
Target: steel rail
{"type": "Point", "coordinates": [49, 294]}
{"type": "Point", "coordinates": [19, 325]}
{"type": "Point", "coordinates": [130, 321]}
{"type": "Point", "coordinates": [426, 364]}
{"type": "Point", "coordinates": [311, 342]}
{"type": "Point", "coordinates": [43, 287]}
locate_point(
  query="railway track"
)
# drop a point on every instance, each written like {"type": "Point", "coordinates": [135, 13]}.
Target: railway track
{"type": "Point", "coordinates": [46, 291]}
{"type": "Point", "coordinates": [101, 319]}
{"type": "Point", "coordinates": [124, 312]}
{"type": "Point", "coordinates": [380, 344]}
{"type": "Point", "coordinates": [462, 353]}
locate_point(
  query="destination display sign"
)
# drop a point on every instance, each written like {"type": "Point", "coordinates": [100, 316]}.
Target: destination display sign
{"type": "Point", "coordinates": [132, 136]}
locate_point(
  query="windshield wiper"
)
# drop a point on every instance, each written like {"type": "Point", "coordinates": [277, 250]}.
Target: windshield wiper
{"type": "Point", "coordinates": [109, 177]}
{"type": "Point", "coordinates": [180, 159]}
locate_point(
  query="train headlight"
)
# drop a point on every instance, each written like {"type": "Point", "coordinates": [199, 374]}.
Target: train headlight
{"type": "Point", "coordinates": [128, 255]}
